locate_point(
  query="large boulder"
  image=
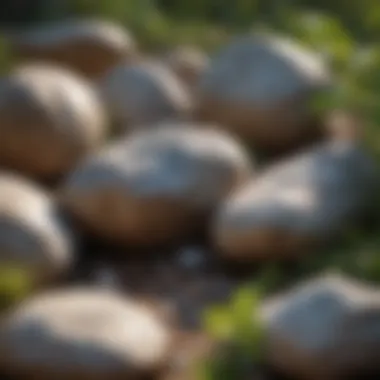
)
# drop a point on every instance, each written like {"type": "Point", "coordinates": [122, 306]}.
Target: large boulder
{"type": "Point", "coordinates": [143, 94]}
{"type": "Point", "coordinates": [326, 328]}
{"type": "Point", "coordinates": [33, 236]}
{"type": "Point", "coordinates": [89, 46]}
{"type": "Point", "coordinates": [49, 120]}
{"type": "Point", "coordinates": [299, 202]}
{"type": "Point", "coordinates": [262, 87]}
{"type": "Point", "coordinates": [82, 333]}
{"type": "Point", "coordinates": [156, 184]}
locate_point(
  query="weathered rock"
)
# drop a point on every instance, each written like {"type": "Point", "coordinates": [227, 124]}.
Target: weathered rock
{"type": "Point", "coordinates": [83, 333]}
{"type": "Point", "coordinates": [304, 200]}
{"type": "Point", "coordinates": [144, 94]}
{"type": "Point", "coordinates": [90, 47]}
{"type": "Point", "coordinates": [327, 328]}
{"type": "Point", "coordinates": [188, 62]}
{"type": "Point", "coordinates": [156, 185]}
{"type": "Point", "coordinates": [50, 119]}
{"type": "Point", "coordinates": [261, 87]}
{"type": "Point", "coordinates": [32, 235]}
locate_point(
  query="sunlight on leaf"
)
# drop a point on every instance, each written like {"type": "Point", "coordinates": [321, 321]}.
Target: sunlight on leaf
{"type": "Point", "coordinates": [245, 301]}
{"type": "Point", "coordinates": [15, 284]}
{"type": "Point", "coordinates": [322, 32]}
{"type": "Point", "coordinates": [218, 322]}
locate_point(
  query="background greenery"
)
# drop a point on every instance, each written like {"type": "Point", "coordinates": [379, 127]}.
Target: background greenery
{"type": "Point", "coordinates": [346, 32]}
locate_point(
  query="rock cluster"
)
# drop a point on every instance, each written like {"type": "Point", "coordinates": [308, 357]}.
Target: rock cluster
{"type": "Point", "coordinates": [181, 193]}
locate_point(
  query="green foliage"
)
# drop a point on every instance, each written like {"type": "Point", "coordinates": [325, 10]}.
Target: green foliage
{"type": "Point", "coordinates": [15, 285]}
{"type": "Point", "coordinates": [238, 329]}
{"type": "Point", "coordinates": [323, 33]}
{"type": "Point", "coordinates": [236, 325]}
{"type": "Point", "coordinates": [235, 319]}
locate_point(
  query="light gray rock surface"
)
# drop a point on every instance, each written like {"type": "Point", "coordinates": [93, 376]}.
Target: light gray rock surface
{"type": "Point", "coordinates": [50, 119]}
{"type": "Point", "coordinates": [261, 86]}
{"type": "Point", "coordinates": [156, 183]}
{"type": "Point", "coordinates": [143, 94]}
{"type": "Point", "coordinates": [32, 235]}
{"type": "Point", "coordinates": [300, 201]}
{"type": "Point", "coordinates": [82, 333]}
{"type": "Point", "coordinates": [325, 328]}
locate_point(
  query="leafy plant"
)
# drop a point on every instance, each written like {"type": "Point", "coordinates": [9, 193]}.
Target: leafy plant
{"type": "Point", "coordinates": [15, 284]}
{"type": "Point", "coordinates": [237, 328]}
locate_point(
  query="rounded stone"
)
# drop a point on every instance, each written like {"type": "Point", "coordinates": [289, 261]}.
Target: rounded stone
{"type": "Point", "coordinates": [33, 236]}
{"type": "Point", "coordinates": [90, 47]}
{"type": "Point", "coordinates": [261, 87]}
{"type": "Point", "coordinates": [299, 202]}
{"type": "Point", "coordinates": [144, 94]}
{"type": "Point", "coordinates": [324, 328]}
{"type": "Point", "coordinates": [156, 185]}
{"type": "Point", "coordinates": [50, 119]}
{"type": "Point", "coordinates": [82, 333]}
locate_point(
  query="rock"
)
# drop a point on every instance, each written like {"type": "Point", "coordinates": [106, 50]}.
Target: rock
{"type": "Point", "coordinates": [188, 62]}
{"type": "Point", "coordinates": [261, 87]}
{"type": "Point", "coordinates": [156, 185]}
{"type": "Point", "coordinates": [106, 277]}
{"type": "Point", "coordinates": [144, 94]}
{"type": "Point", "coordinates": [326, 328]}
{"type": "Point", "coordinates": [50, 119]}
{"type": "Point", "coordinates": [91, 47]}
{"type": "Point", "coordinates": [82, 333]}
{"type": "Point", "coordinates": [192, 257]}
{"type": "Point", "coordinates": [32, 235]}
{"type": "Point", "coordinates": [296, 203]}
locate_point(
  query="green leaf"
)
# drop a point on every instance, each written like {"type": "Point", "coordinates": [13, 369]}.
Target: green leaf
{"type": "Point", "coordinates": [323, 33]}
{"type": "Point", "coordinates": [15, 284]}
{"type": "Point", "coordinates": [219, 323]}
{"type": "Point", "coordinates": [242, 307]}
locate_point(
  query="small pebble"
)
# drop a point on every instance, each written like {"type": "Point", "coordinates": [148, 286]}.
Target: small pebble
{"type": "Point", "coordinates": [191, 257]}
{"type": "Point", "coordinates": [107, 278]}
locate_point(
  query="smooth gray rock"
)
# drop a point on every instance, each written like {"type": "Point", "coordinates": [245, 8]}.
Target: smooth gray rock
{"type": "Point", "coordinates": [157, 183]}
{"type": "Point", "coordinates": [144, 94]}
{"type": "Point", "coordinates": [325, 328]}
{"type": "Point", "coordinates": [303, 200]}
{"type": "Point", "coordinates": [261, 88]}
{"type": "Point", "coordinates": [50, 119]}
{"type": "Point", "coordinates": [32, 234]}
{"type": "Point", "coordinates": [82, 333]}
